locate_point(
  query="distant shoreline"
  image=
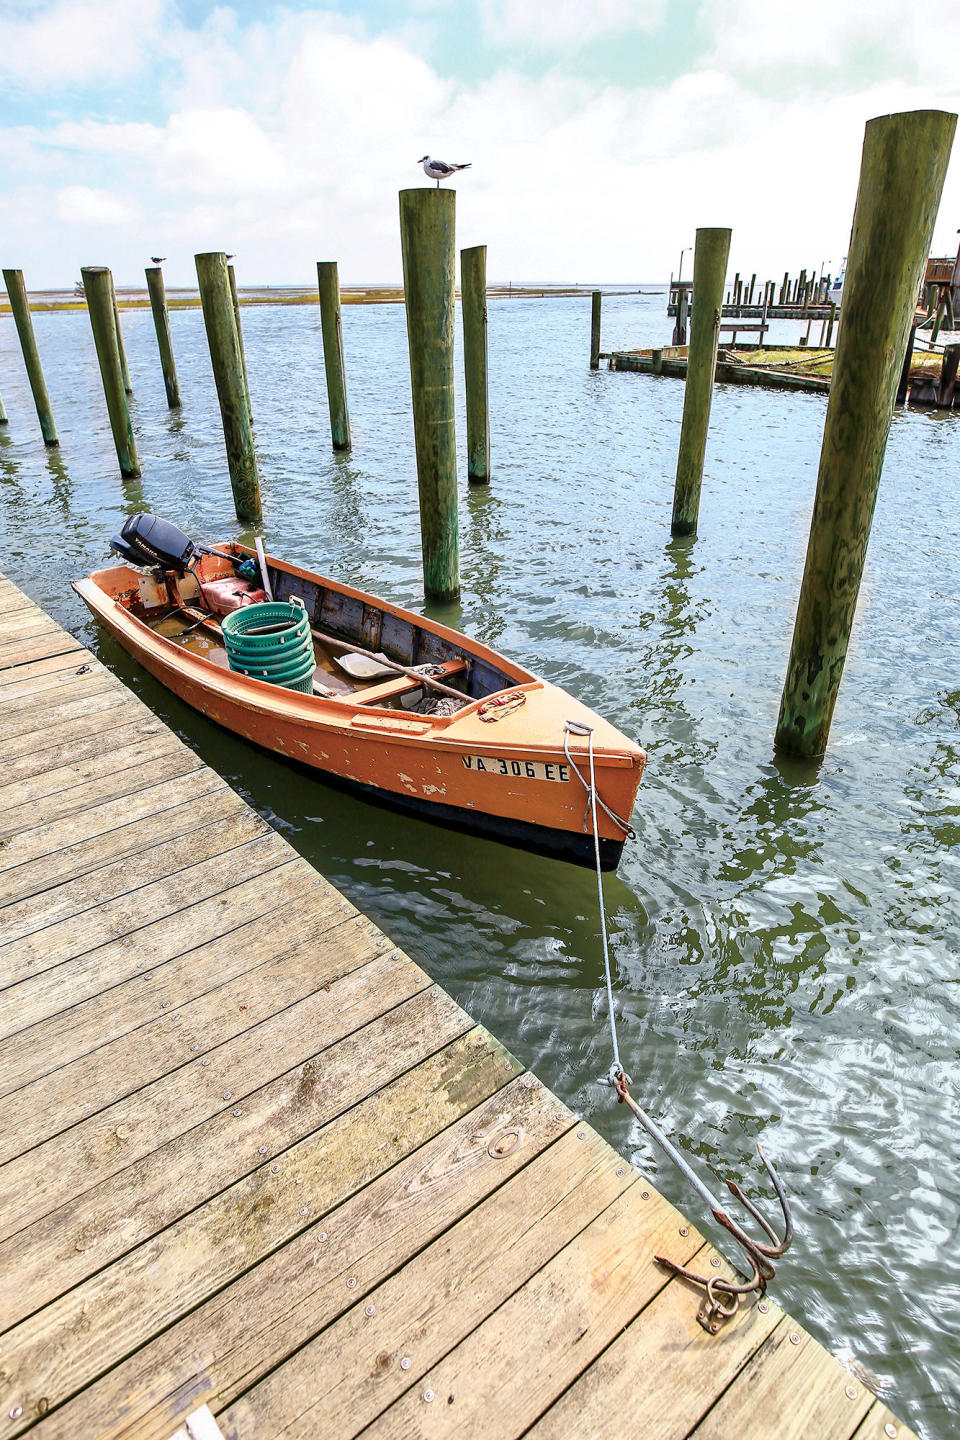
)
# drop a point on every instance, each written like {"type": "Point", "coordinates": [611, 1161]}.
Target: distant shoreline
{"type": "Point", "coordinates": [131, 298]}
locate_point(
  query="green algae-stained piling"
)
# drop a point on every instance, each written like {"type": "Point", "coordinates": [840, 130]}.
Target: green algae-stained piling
{"type": "Point", "coordinates": [331, 324]}
{"type": "Point", "coordinates": [253, 1157]}
{"type": "Point", "coordinates": [473, 292]}
{"type": "Point", "coordinates": [101, 305]}
{"type": "Point", "coordinates": [901, 178]}
{"type": "Point", "coordinates": [121, 348]}
{"type": "Point", "coordinates": [3, 413]}
{"type": "Point", "coordinates": [224, 342]}
{"type": "Point", "coordinates": [236, 316]}
{"type": "Point", "coordinates": [595, 312]}
{"type": "Point", "coordinates": [427, 225]}
{"type": "Point", "coordinates": [161, 321]}
{"type": "Point", "coordinates": [20, 305]}
{"type": "Point", "coordinates": [680, 327]}
{"type": "Point", "coordinates": [709, 268]}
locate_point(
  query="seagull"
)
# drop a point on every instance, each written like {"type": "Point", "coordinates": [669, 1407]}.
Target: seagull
{"type": "Point", "coordinates": [158, 259]}
{"type": "Point", "coordinates": [439, 169]}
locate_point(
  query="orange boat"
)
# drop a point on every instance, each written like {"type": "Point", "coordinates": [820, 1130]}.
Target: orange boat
{"type": "Point", "coordinates": [407, 712]}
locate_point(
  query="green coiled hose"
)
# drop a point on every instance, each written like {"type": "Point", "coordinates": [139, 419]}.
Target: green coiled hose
{"type": "Point", "coordinates": [271, 642]}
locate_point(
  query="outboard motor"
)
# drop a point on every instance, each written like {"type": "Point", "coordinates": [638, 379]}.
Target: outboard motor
{"type": "Point", "coordinates": [147, 540]}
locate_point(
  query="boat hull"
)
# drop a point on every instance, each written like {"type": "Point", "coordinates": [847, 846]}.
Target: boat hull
{"type": "Point", "coordinates": [510, 780]}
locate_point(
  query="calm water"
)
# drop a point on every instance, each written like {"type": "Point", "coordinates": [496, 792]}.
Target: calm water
{"type": "Point", "coordinates": [785, 939]}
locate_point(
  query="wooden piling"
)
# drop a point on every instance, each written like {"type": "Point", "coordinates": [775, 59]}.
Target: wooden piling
{"type": "Point", "coordinates": [328, 285]}
{"type": "Point", "coordinates": [709, 267]}
{"type": "Point", "coordinates": [753, 281]}
{"type": "Point", "coordinates": [231, 275]}
{"type": "Point", "coordinates": [101, 306]}
{"type": "Point", "coordinates": [830, 323]}
{"type": "Point", "coordinates": [20, 305]}
{"type": "Point", "coordinates": [947, 388]}
{"type": "Point", "coordinates": [656, 361]}
{"type": "Point", "coordinates": [473, 300]}
{"type": "Point", "coordinates": [3, 413]}
{"type": "Point", "coordinates": [161, 322]}
{"type": "Point", "coordinates": [224, 342]}
{"type": "Point", "coordinates": [121, 348]}
{"type": "Point", "coordinates": [901, 178]}
{"type": "Point", "coordinates": [680, 326]}
{"type": "Point", "coordinates": [597, 302]}
{"type": "Point", "coordinates": [427, 225]}
{"type": "Point", "coordinates": [904, 383]}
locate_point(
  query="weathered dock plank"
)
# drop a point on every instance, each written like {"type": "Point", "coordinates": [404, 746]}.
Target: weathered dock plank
{"type": "Point", "coordinates": [630, 1375]}
{"type": "Point", "coordinates": [252, 1158]}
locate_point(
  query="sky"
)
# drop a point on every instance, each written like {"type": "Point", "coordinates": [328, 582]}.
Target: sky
{"type": "Point", "coordinates": [601, 132]}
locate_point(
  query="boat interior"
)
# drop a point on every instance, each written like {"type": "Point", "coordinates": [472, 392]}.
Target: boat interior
{"type": "Point", "coordinates": [363, 651]}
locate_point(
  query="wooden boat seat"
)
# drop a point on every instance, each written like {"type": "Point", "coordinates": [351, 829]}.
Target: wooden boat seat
{"type": "Point", "coordinates": [402, 684]}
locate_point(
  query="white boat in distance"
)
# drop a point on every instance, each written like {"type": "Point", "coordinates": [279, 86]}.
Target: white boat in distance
{"type": "Point", "coordinates": [835, 293]}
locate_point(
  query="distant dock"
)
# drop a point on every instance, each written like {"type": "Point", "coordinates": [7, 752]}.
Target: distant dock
{"type": "Point", "coordinates": [932, 382]}
{"type": "Point", "coordinates": [261, 1175]}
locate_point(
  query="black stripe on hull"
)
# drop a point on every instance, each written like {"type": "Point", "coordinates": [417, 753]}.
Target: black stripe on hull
{"type": "Point", "coordinates": [574, 847]}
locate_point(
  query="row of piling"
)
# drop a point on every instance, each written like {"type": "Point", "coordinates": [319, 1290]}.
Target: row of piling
{"type": "Point", "coordinates": [902, 173]}
{"type": "Point", "coordinates": [427, 224]}
{"type": "Point", "coordinates": [901, 179]}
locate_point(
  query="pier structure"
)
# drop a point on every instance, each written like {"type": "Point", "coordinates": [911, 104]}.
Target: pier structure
{"type": "Point", "coordinates": [260, 1174]}
{"type": "Point", "coordinates": [811, 302]}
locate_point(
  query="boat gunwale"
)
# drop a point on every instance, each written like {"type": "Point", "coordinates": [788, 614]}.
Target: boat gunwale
{"type": "Point", "coordinates": [263, 698]}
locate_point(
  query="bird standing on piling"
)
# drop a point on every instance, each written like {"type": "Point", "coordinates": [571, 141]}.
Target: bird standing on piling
{"type": "Point", "coordinates": [439, 169]}
{"type": "Point", "coordinates": [158, 259]}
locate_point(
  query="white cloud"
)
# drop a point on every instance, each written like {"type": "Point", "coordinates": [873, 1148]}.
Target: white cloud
{"type": "Point", "coordinates": [565, 22]}
{"type": "Point", "coordinates": [78, 41]}
{"type": "Point", "coordinates": [290, 141]}
{"type": "Point", "coordinates": [81, 205]}
{"type": "Point", "coordinates": [830, 41]}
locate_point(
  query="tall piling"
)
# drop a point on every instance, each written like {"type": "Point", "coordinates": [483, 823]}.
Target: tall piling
{"type": "Point", "coordinates": [101, 306]}
{"type": "Point", "coordinates": [427, 225]}
{"type": "Point", "coordinates": [903, 385]}
{"type": "Point", "coordinates": [121, 348]}
{"type": "Point", "coordinates": [224, 342]}
{"type": "Point", "coordinates": [709, 267]}
{"type": "Point", "coordinates": [20, 305]}
{"type": "Point", "coordinates": [680, 326]}
{"type": "Point", "coordinates": [596, 305]}
{"type": "Point", "coordinates": [473, 301]}
{"type": "Point", "coordinates": [328, 285]}
{"type": "Point", "coordinates": [161, 323]}
{"type": "Point", "coordinates": [235, 298]}
{"type": "Point", "coordinates": [901, 178]}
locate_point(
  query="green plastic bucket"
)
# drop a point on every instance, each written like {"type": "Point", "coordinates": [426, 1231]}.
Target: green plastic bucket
{"type": "Point", "coordinates": [271, 642]}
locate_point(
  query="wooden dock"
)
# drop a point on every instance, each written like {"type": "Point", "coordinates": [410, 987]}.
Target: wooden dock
{"type": "Point", "coordinates": [256, 1166]}
{"type": "Point", "coordinates": [744, 366]}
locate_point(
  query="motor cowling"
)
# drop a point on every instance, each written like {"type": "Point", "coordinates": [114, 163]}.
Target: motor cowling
{"type": "Point", "coordinates": [147, 540]}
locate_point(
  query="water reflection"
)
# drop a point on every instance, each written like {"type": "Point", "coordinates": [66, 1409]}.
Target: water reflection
{"type": "Point", "coordinates": [481, 559]}
{"type": "Point", "coordinates": [784, 935]}
{"type": "Point", "coordinates": [61, 487]}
